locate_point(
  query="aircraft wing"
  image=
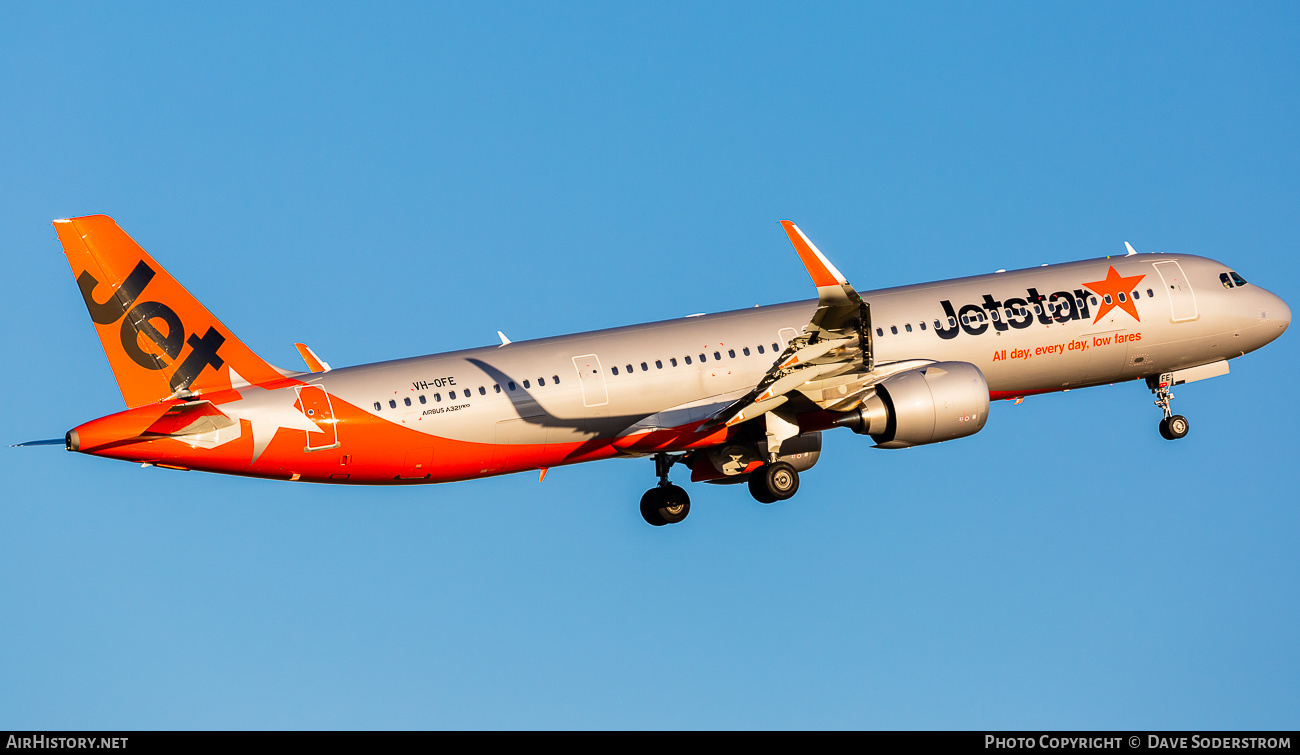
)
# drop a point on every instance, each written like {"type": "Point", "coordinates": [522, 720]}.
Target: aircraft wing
{"type": "Point", "coordinates": [829, 362]}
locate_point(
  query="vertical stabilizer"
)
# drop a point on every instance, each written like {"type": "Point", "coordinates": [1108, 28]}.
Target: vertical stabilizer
{"type": "Point", "coordinates": [160, 341]}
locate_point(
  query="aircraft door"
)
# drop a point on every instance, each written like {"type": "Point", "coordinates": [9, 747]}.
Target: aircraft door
{"type": "Point", "coordinates": [1182, 301]}
{"type": "Point", "coordinates": [592, 380]}
{"type": "Point", "coordinates": [314, 402]}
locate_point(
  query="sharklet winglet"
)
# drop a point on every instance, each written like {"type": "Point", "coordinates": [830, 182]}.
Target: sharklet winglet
{"type": "Point", "coordinates": [822, 271]}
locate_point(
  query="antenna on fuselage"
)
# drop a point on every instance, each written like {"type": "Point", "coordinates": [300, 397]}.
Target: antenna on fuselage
{"type": "Point", "coordinates": [1131, 250]}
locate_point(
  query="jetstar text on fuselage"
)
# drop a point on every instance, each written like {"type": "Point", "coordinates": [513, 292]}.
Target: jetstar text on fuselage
{"type": "Point", "coordinates": [1056, 307]}
{"type": "Point", "coordinates": [1015, 312]}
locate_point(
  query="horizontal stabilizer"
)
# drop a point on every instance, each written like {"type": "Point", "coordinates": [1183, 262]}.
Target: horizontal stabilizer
{"type": "Point", "coordinates": [314, 363]}
{"type": "Point", "coordinates": [193, 418]}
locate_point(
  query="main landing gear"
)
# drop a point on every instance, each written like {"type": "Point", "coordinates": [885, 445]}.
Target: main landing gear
{"type": "Point", "coordinates": [1173, 426]}
{"type": "Point", "coordinates": [666, 503]}
{"type": "Point", "coordinates": [774, 481]}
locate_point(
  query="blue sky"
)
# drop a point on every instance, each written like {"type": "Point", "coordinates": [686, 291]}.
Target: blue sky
{"type": "Point", "coordinates": [390, 180]}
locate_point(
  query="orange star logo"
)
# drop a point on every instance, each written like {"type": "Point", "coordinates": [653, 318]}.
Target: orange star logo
{"type": "Point", "coordinates": [1116, 291]}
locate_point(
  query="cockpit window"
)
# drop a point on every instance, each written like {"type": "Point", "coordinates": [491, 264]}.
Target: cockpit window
{"type": "Point", "coordinates": [1240, 281]}
{"type": "Point", "coordinates": [1223, 278]}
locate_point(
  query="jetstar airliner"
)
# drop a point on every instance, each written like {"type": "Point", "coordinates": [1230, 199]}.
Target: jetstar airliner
{"type": "Point", "coordinates": [735, 397]}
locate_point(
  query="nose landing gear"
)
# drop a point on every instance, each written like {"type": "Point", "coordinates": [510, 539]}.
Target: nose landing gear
{"type": "Point", "coordinates": [666, 503]}
{"type": "Point", "coordinates": [1173, 426]}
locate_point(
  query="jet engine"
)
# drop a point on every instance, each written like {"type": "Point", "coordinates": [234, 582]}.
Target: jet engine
{"type": "Point", "coordinates": [930, 404]}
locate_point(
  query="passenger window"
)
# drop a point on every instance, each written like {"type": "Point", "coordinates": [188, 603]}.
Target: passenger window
{"type": "Point", "coordinates": [717, 357]}
{"type": "Point", "coordinates": [893, 330]}
{"type": "Point", "coordinates": [776, 349]}
{"type": "Point", "coordinates": [378, 406]}
{"type": "Point", "coordinates": [541, 381]}
{"type": "Point", "coordinates": [703, 359]}
{"type": "Point", "coordinates": [482, 391]}
{"type": "Point", "coordinates": [437, 397]}
{"type": "Point", "coordinates": [952, 323]}
{"type": "Point", "coordinates": [527, 385]}
{"type": "Point", "coordinates": [1136, 295]}
{"type": "Point", "coordinates": [760, 348]}
{"type": "Point", "coordinates": [908, 327]}
{"type": "Point", "coordinates": [497, 387]}
{"type": "Point", "coordinates": [731, 353]}
{"type": "Point", "coordinates": [407, 400]}
{"type": "Point", "coordinates": [745, 351]}
{"type": "Point", "coordinates": [392, 404]}
{"type": "Point", "coordinates": [556, 379]}
{"type": "Point", "coordinates": [1150, 295]}
{"type": "Point", "coordinates": [1122, 297]}
{"type": "Point", "coordinates": [1094, 300]}
{"type": "Point", "coordinates": [510, 384]}
{"type": "Point", "coordinates": [644, 368]}
{"type": "Point", "coordinates": [629, 369]}
{"type": "Point", "coordinates": [614, 370]}
{"type": "Point", "coordinates": [688, 359]}
{"type": "Point", "coordinates": [880, 331]}
{"type": "Point", "coordinates": [672, 361]}
{"type": "Point", "coordinates": [922, 325]}
{"type": "Point", "coordinates": [451, 395]}
{"type": "Point", "coordinates": [659, 365]}
{"type": "Point", "coordinates": [422, 401]}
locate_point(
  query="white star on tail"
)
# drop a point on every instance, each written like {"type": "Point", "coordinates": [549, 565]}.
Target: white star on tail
{"type": "Point", "coordinates": [267, 411]}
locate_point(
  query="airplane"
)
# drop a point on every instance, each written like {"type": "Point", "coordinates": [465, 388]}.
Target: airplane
{"type": "Point", "coordinates": [739, 397]}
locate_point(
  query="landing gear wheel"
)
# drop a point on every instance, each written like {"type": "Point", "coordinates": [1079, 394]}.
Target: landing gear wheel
{"type": "Point", "coordinates": [665, 505]}
{"type": "Point", "coordinates": [758, 489]}
{"type": "Point", "coordinates": [773, 482]}
{"type": "Point", "coordinates": [1173, 427]}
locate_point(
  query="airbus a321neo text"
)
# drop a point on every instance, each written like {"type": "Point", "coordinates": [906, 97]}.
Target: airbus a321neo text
{"type": "Point", "coordinates": [735, 397]}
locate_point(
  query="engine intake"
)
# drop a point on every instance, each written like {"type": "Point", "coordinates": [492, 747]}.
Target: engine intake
{"type": "Point", "coordinates": [931, 404]}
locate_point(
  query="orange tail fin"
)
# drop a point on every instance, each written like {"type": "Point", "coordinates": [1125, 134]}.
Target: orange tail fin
{"type": "Point", "coordinates": [160, 341]}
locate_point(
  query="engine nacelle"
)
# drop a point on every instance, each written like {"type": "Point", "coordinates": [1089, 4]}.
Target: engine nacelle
{"type": "Point", "coordinates": [931, 404]}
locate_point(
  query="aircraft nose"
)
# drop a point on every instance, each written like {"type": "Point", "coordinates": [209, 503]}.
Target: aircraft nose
{"type": "Point", "coordinates": [1274, 316]}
